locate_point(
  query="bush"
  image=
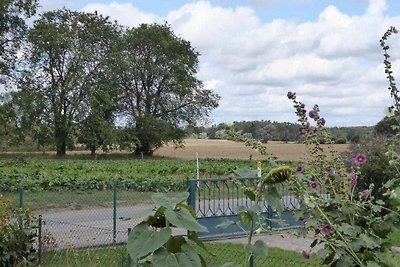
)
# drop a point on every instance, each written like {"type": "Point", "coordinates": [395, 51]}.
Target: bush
{"type": "Point", "coordinates": [16, 236]}
{"type": "Point", "coordinates": [378, 171]}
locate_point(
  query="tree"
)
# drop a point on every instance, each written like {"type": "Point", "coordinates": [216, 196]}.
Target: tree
{"type": "Point", "coordinates": [68, 54]}
{"type": "Point", "coordinates": [97, 129]}
{"type": "Point", "coordinates": [12, 32]}
{"type": "Point", "coordinates": [160, 93]}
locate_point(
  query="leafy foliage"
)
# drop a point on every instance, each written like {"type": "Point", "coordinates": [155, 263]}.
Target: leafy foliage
{"type": "Point", "coordinates": [13, 14]}
{"type": "Point", "coordinates": [151, 242]}
{"type": "Point", "coordinates": [67, 63]}
{"type": "Point", "coordinates": [159, 91]}
{"type": "Point", "coordinates": [16, 236]}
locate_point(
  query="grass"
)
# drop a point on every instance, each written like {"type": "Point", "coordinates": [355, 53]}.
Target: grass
{"type": "Point", "coordinates": [41, 201]}
{"type": "Point", "coordinates": [394, 237]}
{"type": "Point", "coordinates": [224, 252]}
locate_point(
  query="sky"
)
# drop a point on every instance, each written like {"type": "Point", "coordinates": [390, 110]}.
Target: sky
{"type": "Point", "coordinates": [254, 51]}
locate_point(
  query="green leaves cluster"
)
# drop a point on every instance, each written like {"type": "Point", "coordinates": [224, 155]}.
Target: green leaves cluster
{"type": "Point", "coordinates": [151, 242]}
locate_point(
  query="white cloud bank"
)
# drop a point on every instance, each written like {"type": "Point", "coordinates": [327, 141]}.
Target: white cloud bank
{"type": "Point", "coordinates": [334, 60]}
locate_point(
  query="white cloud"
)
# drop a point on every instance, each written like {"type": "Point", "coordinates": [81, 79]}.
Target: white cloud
{"type": "Point", "coordinates": [334, 60]}
{"type": "Point", "coordinates": [125, 13]}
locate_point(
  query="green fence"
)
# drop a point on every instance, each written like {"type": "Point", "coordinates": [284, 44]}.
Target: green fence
{"type": "Point", "coordinates": [82, 219]}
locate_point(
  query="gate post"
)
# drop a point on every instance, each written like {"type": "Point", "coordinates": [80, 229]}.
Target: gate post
{"type": "Point", "coordinates": [191, 201]}
{"type": "Point", "coordinates": [114, 186]}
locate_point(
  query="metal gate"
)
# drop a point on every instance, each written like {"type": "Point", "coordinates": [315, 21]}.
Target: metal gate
{"type": "Point", "coordinates": [216, 200]}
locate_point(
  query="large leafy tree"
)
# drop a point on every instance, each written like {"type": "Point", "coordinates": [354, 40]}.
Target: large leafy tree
{"type": "Point", "coordinates": [159, 89]}
{"type": "Point", "coordinates": [12, 32]}
{"type": "Point", "coordinates": [68, 57]}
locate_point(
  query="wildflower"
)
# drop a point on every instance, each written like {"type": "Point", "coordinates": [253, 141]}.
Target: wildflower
{"type": "Point", "coordinates": [314, 186]}
{"type": "Point", "coordinates": [353, 180]}
{"type": "Point", "coordinates": [312, 114]}
{"type": "Point", "coordinates": [299, 170]}
{"type": "Point", "coordinates": [359, 159]}
{"type": "Point", "coordinates": [305, 255]}
{"type": "Point", "coordinates": [304, 221]}
{"type": "Point", "coordinates": [291, 95]}
{"type": "Point", "coordinates": [322, 121]}
{"type": "Point", "coordinates": [365, 194]}
{"type": "Point", "coordinates": [327, 229]}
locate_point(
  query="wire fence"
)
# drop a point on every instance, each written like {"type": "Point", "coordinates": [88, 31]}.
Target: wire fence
{"type": "Point", "coordinates": [74, 220]}
{"type": "Point", "coordinates": [90, 227]}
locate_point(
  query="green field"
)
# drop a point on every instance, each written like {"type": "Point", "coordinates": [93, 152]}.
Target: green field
{"type": "Point", "coordinates": [139, 175]}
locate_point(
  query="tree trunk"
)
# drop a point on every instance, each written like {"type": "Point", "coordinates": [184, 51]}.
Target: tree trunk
{"type": "Point", "coordinates": [144, 148]}
{"type": "Point", "coordinates": [61, 148]}
{"type": "Point", "coordinates": [61, 141]}
{"type": "Point", "coordinates": [93, 150]}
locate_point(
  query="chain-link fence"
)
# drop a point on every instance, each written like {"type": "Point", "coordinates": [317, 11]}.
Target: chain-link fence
{"type": "Point", "coordinates": [90, 227]}
{"type": "Point", "coordinates": [74, 220]}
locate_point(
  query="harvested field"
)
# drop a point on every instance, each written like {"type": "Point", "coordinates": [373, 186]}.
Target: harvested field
{"type": "Point", "coordinates": [233, 150]}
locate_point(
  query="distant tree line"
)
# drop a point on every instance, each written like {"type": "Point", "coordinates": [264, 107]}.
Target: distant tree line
{"type": "Point", "coordinates": [266, 130]}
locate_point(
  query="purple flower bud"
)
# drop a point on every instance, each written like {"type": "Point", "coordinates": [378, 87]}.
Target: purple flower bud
{"type": "Point", "coordinates": [314, 186]}
{"type": "Point", "coordinates": [312, 114]}
{"type": "Point", "coordinates": [322, 121]}
{"type": "Point", "coordinates": [327, 229]}
{"type": "Point", "coordinates": [299, 170]}
{"type": "Point", "coordinates": [305, 255]}
{"type": "Point", "coordinates": [304, 221]}
{"type": "Point", "coordinates": [353, 180]}
{"type": "Point", "coordinates": [291, 95]}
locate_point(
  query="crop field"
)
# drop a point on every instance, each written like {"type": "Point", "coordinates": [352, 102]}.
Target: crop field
{"type": "Point", "coordinates": [214, 149]}
{"type": "Point", "coordinates": [234, 150]}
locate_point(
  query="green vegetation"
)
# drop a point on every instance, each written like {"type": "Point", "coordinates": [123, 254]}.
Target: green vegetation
{"type": "Point", "coordinates": [140, 175]}
{"type": "Point", "coordinates": [224, 252]}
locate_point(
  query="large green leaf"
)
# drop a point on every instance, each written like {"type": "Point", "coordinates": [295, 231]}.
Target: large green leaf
{"type": "Point", "coordinates": [183, 218]}
{"type": "Point", "coordinates": [175, 243]}
{"type": "Point", "coordinates": [259, 249]}
{"type": "Point", "coordinates": [187, 258]}
{"type": "Point", "coordinates": [169, 201]}
{"type": "Point", "coordinates": [273, 198]}
{"type": "Point", "coordinates": [142, 241]}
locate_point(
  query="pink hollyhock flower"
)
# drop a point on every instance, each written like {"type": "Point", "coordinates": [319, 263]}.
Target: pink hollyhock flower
{"type": "Point", "coordinates": [312, 114]}
{"type": "Point", "coordinates": [314, 186]}
{"type": "Point", "coordinates": [327, 229]}
{"type": "Point", "coordinates": [359, 159]}
{"type": "Point", "coordinates": [305, 255]}
{"type": "Point", "coordinates": [299, 170]}
{"type": "Point", "coordinates": [322, 121]}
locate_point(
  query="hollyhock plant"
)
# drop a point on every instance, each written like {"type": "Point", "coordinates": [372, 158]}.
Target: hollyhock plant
{"type": "Point", "coordinates": [314, 186]}
{"type": "Point", "coordinates": [299, 170]}
{"type": "Point", "coordinates": [327, 229]}
{"type": "Point", "coordinates": [359, 159]}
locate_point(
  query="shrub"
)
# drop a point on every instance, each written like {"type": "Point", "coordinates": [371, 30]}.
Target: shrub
{"type": "Point", "coordinates": [16, 236]}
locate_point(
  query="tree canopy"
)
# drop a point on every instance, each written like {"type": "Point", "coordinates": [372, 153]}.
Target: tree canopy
{"type": "Point", "coordinates": [159, 89]}
{"type": "Point", "coordinates": [12, 32]}
{"type": "Point", "coordinates": [68, 57]}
